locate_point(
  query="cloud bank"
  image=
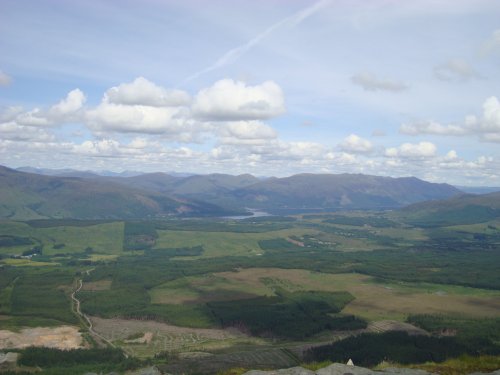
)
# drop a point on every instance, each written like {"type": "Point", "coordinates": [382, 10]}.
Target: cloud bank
{"type": "Point", "coordinates": [226, 126]}
{"type": "Point", "coordinates": [486, 127]}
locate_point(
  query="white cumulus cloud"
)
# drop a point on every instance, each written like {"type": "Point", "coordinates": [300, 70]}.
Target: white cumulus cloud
{"type": "Point", "coordinates": [73, 102]}
{"type": "Point", "coordinates": [451, 155]}
{"type": "Point", "coordinates": [15, 132]}
{"type": "Point", "coordinates": [419, 150]}
{"type": "Point", "coordinates": [229, 100]}
{"type": "Point", "coordinates": [246, 132]}
{"type": "Point", "coordinates": [67, 110]}
{"type": "Point", "coordinates": [135, 119]}
{"type": "Point", "coordinates": [356, 144]}
{"type": "Point", "coordinates": [486, 126]}
{"type": "Point", "coordinates": [143, 92]}
{"type": "Point", "coordinates": [491, 116]}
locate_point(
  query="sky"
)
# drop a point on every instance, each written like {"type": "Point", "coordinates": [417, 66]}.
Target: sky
{"type": "Point", "coordinates": [272, 88]}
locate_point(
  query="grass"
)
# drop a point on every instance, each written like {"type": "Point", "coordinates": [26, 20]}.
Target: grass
{"type": "Point", "coordinates": [406, 234]}
{"type": "Point", "coordinates": [349, 238]}
{"type": "Point", "coordinates": [103, 257]}
{"type": "Point", "coordinates": [196, 289]}
{"type": "Point", "coordinates": [463, 365]}
{"type": "Point", "coordinates": [5, 295]}
{"type": "Point", "coordinates": [14, 228]}
{"type": "Point", "coordinates": [16, 323]}
{"type": "Point", "coordinates": [217, 244]}
{"type": "Point", "coordinates": [102, 238]}
{"type": "Point", "coordinates": [490, 227]}
{"type": "Point", "coordinates": [375, 300]}
{"type": "Point", "coordinates": [439, 289]}
{"type": "Point", "coordinates": [97, 285]}
{"type": "Point", "coordinates": [27, 263]}
{"type": "Point", "coordinates": [233, 371]}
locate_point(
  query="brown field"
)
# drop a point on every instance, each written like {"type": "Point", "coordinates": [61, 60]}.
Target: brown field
{"type": "Point", "coordinates": [391, 325]}
{"type": "Point", "coordinates": [63, 337]}
{"type": "Point", "coordinates": [374, 301]}
{"type": "Point", "coordinates": [164, 337]}
{"type": "Point", "coordinates": [381, 301]}
{"type": "Point", "coordinates": [120, 329]}
{"type": "Point", "coordinates": [97, 285]}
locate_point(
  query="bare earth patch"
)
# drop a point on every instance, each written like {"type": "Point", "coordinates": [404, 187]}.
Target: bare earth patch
{"type": "Point", "coordinates": [97, 285]}
{"type": "Point", "coordinates": [120, 329]}
{"type": "Point", "coordinates": [145, 339]}
{"type": "Point", "coordinates": [161, 337]}
{"type": "Point", "coordinates": [392, 325]}
{"type": "Point", "coordinates": [63, 337]}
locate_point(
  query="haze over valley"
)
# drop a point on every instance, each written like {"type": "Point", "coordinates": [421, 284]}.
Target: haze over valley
{"type": "Point", "coordinates": [221, 187]}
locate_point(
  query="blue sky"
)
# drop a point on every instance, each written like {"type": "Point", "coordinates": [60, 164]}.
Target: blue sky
{"type": "Point", "coordinates": [382, 87]}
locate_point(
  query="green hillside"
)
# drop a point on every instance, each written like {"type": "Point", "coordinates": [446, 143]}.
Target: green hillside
{"type": "Point", "coordinates": [343, 191]}
{"type": "Point", "coordinates": [464, 209]}
{"type": "Point", "coordinates": [31, 196]}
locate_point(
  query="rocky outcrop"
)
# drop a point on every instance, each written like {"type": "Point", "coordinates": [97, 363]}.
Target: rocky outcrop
{"type": "Point", "coordinates": [340, 369]}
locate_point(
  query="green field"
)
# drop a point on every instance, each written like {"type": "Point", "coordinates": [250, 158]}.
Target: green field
{"type": "Point", "coordinates": [209, 287]}
{"type": "Point", "coordinates": [217, 244]}
{"type": "Point", "coordinates": [104, 238]}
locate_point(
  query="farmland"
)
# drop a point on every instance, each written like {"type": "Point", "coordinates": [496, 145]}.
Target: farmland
{"type": "Point", "coordinates": [247, 293]}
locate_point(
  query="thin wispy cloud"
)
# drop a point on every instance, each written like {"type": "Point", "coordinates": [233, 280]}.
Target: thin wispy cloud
{"type": "Point", "coordinates": [5, 79]}
{"type": "Point", "coordinates": [234, 54]}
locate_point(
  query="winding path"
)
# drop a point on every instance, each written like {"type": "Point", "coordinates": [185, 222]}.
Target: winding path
{"type": "Point", "coordinates": [77, 310]}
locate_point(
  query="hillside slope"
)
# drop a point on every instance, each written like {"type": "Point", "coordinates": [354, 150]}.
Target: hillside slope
{"type": "Point", "coordinates": [464, 209]}
{"type": "Point", "coordinates": [31, 196]}
{"type": "Point", "coordinates": [342, 191]}
{"type": "Point", "coordinates": [198, 186]}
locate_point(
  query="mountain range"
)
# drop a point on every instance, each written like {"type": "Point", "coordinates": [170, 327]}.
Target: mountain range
{"type": "Point", "coordinates": [88, 195]}
{"type": "Point", "coordinates": [32, 196]}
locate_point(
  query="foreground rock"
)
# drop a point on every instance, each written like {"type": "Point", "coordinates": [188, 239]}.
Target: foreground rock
{"type": "Point", "coordinates": [339, 369]}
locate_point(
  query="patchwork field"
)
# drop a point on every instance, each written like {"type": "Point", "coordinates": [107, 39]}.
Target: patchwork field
{"type": "Point", "coordinates": [251, 293]}
{"type": "Point", "coordinates": [103, 238]}
{"type": "Point", "coordinates": [378, 301]}
{"type": "Point", "coordinates": [106, 238]}
{"type": "Point", "coordinates": [216, 244]}
{"type": "Point", "coordinates": [207, 288]}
